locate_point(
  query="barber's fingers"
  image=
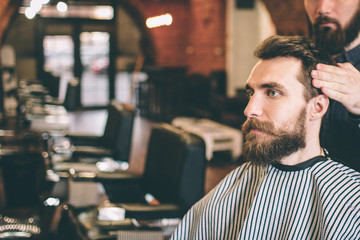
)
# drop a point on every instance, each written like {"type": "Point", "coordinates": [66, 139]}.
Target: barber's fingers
{"type": "Point", "coordinates": [341, 83]}
{"type": "Point", "coordinates": [346, 65]}
{"type": "Point", "coordinates": [340, 68]}
{"type": "Point", "coordinates": [343, 73]}
{"type": "Point", "coordinates": [328, 85]}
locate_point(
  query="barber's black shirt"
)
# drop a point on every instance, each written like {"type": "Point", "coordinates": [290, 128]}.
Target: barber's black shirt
{"type": "Point", "coordinates": [340, 132]}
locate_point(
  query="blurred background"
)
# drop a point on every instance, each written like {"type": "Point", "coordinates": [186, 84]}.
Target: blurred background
{"type": "Point", "coordinates": [102, 42]}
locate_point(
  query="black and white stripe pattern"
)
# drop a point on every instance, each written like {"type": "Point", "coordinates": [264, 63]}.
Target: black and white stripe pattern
{"type": "Point", "coordinates": [319, 201]}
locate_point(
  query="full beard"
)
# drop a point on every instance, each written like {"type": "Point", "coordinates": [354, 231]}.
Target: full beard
{"type": "Point", "coordinates": [334, 41]}
{"type": "Point", "coordinates": [282, 143]}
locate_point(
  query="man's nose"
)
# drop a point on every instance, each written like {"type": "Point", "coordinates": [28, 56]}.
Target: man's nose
{"type": "Point", "coordinates": [254, 107]}
{"type": "Point", "coordinates": [325, 7]}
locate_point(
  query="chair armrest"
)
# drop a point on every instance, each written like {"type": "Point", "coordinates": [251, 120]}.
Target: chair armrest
{"type": "Point", "coordinates": [84, 139]}
{"type": "Point", "coordinates": [114, 177]}
{"type": "Point", "coordinates": [147, 212]}
{"type": "Point", "coordinates": [91, 152]}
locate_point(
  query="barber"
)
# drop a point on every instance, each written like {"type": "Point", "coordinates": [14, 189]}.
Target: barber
{"type": "Point", "coordinates": [335, 26]}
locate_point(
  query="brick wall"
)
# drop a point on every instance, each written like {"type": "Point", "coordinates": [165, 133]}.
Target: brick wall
{"type": "Point", "coordinates": [169, 41]}
{"type": "Point", "coordinates": [7, 9]}
{"type": "Point", "coordinates": [288, 16]}
{"type": "Point", "coordinates": [206, 49]}
{"type": "Point", "coordinates": [195, 39]}
{"type": "Point", "coordinates": [197, 36]}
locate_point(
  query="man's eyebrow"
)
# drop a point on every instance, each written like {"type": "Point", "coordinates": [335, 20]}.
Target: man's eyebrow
{"type": "Point", "coordinates": [247, 87]}
{"type": "Point", "coordinates": [272, 85]}
{"type": "Point", "coordinates": [267, 85]}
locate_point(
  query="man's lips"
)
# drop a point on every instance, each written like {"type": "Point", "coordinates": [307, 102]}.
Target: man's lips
{"type": "Point", "coordinates": [256, 130]}
{"type": "Point", "coordinates": [255, 127]}
{"type": "Point", "coordinates": [326, 24]}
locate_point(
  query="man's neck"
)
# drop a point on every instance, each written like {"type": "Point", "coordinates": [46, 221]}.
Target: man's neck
{"type": "Point", "coordinates": [302, 155]}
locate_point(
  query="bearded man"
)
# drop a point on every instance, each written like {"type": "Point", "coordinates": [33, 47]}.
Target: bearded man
{"type": "Point", "coordinates": [335, 26]}
{"type": "Point", "coordinates": [289, 188]}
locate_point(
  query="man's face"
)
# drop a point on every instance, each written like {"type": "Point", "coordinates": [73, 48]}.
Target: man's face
{"type": "Point", "coordinates": [335, 23]}
{"type": "Point", "coordinates": [276, 112]}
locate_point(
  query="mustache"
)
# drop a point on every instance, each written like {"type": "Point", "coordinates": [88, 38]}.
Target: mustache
{"type": "Point", "coordinates": [325, 19]}
{"type": "Point", "coordinates": [264, 126]}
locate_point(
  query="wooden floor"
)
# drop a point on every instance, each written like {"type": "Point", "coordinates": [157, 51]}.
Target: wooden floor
{"type": "Point", "coordinates": [93, 122]}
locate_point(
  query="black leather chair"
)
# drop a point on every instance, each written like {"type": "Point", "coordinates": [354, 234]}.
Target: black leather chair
{"type": "Point", "coordinates": [52, 83]}
{"type": "Point", "coordinates": [23, 176]}
{"type": "Point", "coordinates": [24, 168]}
{"type": "Point", "coordinates": [116, 139]}
{"type": "Point", "coordinates": [174, 175]}
{"type": "Point", "coordinates": [24, 184]}
{"type": "Point", "coordinates": [72, 99]}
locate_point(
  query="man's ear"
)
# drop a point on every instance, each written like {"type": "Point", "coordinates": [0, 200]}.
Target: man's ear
{"type": "Point", "coordinates": [318, 106]}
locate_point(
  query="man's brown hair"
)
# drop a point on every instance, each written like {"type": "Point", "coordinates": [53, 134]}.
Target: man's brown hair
{"type": "Point", "coordinates": [300, 48]}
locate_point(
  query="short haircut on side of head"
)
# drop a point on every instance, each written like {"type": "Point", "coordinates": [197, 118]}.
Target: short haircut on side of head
{"type": "Point", "coordinates": [298, 47]}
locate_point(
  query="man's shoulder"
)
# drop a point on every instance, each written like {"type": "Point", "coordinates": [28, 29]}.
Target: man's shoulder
{"type": "Point", "coordinates": [338, 187]}
{"type": "Point", "coordinates": [245, 170]}
{"type": "Point", "coordinates": [333, 170]}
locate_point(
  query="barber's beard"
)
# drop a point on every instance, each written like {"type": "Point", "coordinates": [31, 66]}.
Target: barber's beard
{"type": "Point", "coordinates": [281, 142]}
{"type": "Point", "coordinates": [335, 40]}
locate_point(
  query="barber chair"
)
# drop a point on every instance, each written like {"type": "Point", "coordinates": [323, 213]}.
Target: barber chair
{"type": "Point", "coordinates": [172, 182]}
{"type": "Point", "coordinates": [23, 178]}
{"type": "Point", "coordinates": [25, 183]}
{"type": "Point", "coordinates": [174, 171]}
{"type": "Point", "coordinates": [116, 139]}
{"type": "Point", "coordinates": [52, 83]}
{"type": "Point", "coordinates": [72, 99]}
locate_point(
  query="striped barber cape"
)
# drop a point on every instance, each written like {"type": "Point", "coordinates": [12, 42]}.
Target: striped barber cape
{"type": "Point", "coordinates": [316, 199]}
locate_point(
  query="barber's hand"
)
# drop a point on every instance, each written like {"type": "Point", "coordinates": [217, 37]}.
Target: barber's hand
{"type": "Point", "coordinates": [341, 83]}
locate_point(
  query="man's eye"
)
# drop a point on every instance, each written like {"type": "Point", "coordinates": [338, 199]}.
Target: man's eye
{"type": "Point", "coordinates": [273, 93]}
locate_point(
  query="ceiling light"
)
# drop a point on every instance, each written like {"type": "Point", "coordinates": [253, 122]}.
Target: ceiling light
{"type": "Point", "coordinates": [157, 21]}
